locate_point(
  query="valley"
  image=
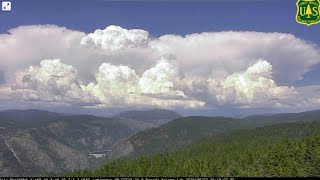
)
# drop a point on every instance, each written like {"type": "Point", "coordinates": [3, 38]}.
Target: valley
{"type": "Point", "coordinates": [281, 150]}
{"type": "Point", "coordinates": [40, 143]}
{"type": "Point", "coordinates": [37, 142]}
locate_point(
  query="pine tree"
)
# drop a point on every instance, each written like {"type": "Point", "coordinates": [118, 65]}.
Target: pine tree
{"type": "Point", "coordinates": [308, 12]}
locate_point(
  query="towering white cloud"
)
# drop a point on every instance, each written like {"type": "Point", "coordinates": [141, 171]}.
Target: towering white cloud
{"type": "Point", "coordinates": [28, 45]}
{"type": "Point", "coordinates": [114, 84]}
{"type": "Point", "coordinates": [229, 52]}
{"type": "Point", "coordinates": [52, 82]}
{"type": "Point", "coordinates": [157, 79]}
{"type": "Point", "coordinates": [120, 67]}
{"type": "Point", "coordinates": [120, 85]}
{"type": "Point", "coordinates": [253, 87]}
{"type": "Point", "coordinates": [116, 38]}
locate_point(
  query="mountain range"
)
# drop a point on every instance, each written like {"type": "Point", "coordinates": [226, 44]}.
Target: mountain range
{"type": "Point", "coordinates": [187, 130]}
{"type": "Point", "coordinates": [36, 142]}
{"type": "Point", "coordinates": [279, 150]}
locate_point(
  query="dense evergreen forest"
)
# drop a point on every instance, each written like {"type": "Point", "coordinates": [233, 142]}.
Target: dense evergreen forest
{"type": "Point", "coordinates": [291, 149]}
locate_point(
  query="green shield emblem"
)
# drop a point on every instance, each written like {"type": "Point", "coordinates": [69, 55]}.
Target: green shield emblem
{"type": "Point", "coordinates": [308, 12]}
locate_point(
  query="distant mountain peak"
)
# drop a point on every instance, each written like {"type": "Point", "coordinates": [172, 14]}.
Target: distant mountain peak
{"type": "Point", "coordinates": [25, 110]}
{"type": "Point", "coordinates": [148, 115]}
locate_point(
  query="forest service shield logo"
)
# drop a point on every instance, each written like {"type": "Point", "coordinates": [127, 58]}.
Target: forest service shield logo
{"type": "Point", "coordinates": [308, 12]}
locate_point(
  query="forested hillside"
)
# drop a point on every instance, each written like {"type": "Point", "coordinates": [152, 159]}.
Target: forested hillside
{"type": "Point", "coordinates": [263, 120]}
{"type": "Point", "coordinates": [175, 134]}
{"type": "Point", "coordinates": [291, 149]}
{"type": "Point", "coordinates": [142, 120]}
{"type": "Point", "coordinates": [188, 130]}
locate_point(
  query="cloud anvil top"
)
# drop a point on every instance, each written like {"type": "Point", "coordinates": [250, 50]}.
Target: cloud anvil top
{"type": "Point", "coordinates": [127, 67]}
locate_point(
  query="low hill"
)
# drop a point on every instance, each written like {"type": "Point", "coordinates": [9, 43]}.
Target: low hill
{"type": "Point", "coordinates": [29, 117]}
{"type": "Point", "coordinates": [263, 120]}
{"type": "Point", "coordinates": [142, 120]}
{"type": "Point", "coordinates": [148, 115]}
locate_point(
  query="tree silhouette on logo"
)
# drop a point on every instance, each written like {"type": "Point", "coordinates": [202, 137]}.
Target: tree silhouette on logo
{"type": "Point", "coordinates": [308, 12]}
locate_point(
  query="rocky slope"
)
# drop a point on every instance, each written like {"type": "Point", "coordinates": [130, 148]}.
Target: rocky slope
{"type": "Point", "coordinates": [36, 142]}
{"type": "Point", "coordinates": [55, 146]}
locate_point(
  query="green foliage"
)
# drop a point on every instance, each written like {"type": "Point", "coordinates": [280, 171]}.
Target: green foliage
{"type": "Point", "coordinates": [181, 132]}
{"type": "Point", "coordinates": [188, 130]}
{"type": "Point", "coordinates": [284, 158]}
{"type": "Point", "coordinates": [294, 151]}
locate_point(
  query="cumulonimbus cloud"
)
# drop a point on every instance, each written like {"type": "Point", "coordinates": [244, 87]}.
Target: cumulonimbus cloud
{"type": "Point", "coordinates": [52, 82]}
{"type": "Point", "coordinates": [253, 87]}
{"type": "Point", "coordinates": [116, 38]}
{"type": "Point", "coordinates": [224, 53]}
{"type": "Point", "coordinates": [117, 66]}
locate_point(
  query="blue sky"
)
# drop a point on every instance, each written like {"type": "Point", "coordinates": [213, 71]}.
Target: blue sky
{"type": "Point", "coordinates": [163, 17]}
{"type": "Point", "coordinates": [167, 17]}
